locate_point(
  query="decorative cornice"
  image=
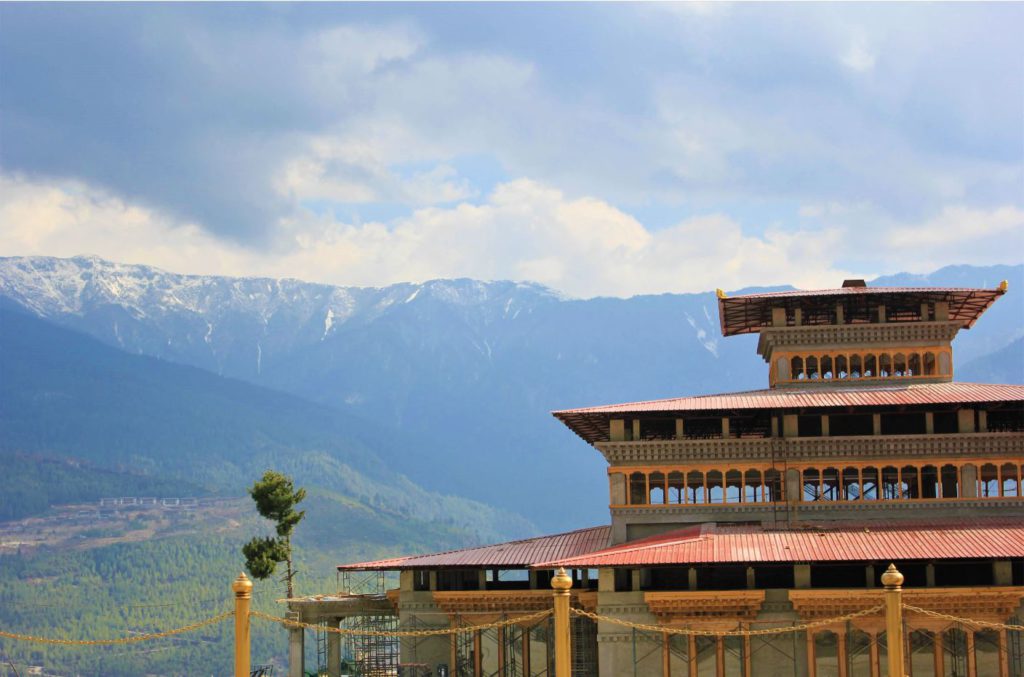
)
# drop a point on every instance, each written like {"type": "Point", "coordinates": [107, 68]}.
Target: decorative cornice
{"type": "Point", "coordinates": [730, 607]}
{"type": "Point", "coordinates": [834, 336]}
{"type": "Point", "coordinates": [797, 449]}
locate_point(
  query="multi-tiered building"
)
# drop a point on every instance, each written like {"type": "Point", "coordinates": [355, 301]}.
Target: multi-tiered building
{"type": "Point", "coordinates": [769, 508]}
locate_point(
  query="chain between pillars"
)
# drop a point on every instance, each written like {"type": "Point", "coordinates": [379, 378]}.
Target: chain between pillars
{"type": "Point", "coordinates": [242, 587]}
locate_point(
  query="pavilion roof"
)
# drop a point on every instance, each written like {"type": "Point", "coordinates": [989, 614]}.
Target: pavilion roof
{"type": "Point", "coordinates": [591, 423]}
{"type": "Point", "coordinates": [711, 544]}
{"type": "Point", "coordinates": [750, 313]}
{"type": "Point", "coordinates": [511, 555]}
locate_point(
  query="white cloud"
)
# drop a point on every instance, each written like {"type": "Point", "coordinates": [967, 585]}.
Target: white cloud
{"type": "Point", "coordinates": [858, 56]}
{"type": "Point", "coordinates": [522, 230]}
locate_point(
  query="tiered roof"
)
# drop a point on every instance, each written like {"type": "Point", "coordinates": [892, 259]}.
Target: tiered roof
{"type": "Point", "coordinates": [750, 313]}
{"type": "Point", "coordinates": [591, 423]}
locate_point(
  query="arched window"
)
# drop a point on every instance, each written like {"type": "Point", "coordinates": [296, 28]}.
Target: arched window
{"type": "Point", "coordinates": [949, 478]}
{"type": "Point", "coordinates": [899, 364]}
{"type": "Point", "coordinates": [716, 492]}
{"type": "Point", "coordinates": [851, 484]}
{"type": "Point", "coordinates": [657, 486]}
{"type": "Point", "coordinates": [676, 487]}
{"type": "Point", "coordinates": [930, 487]}
{"type": "Point", "coordinates": [988, 481]}
{"type": "Point", "coordinates": [908, 482]}
{"type": "Point", "coordinates": [773, 485]}
{"type": "Point", "coordinates": [753, 490]}
{"type": "Point", "coordinates": [830, 484]}
{"type": "Point", "coordinates": [869, 483]}
{"type": "Point", "coordinates": [870, 366]}
{"type": "Point", "coordinates": [884, 365]}
{"type": "Point", "coordinates": [1011, 480]}
{"type": "Point", "coordinates": [929, 364]}
{"type": "Point", "coordinates": [797, 363]}
{"type": "Point", "coordinates": [637, 488]}
{"type": "Point", "coordinates": [914, 365]}
{"type": "Point", "coordinates": [890, 483]}
{"type": "Point", "coordinates": [695, 487]}
{"type": "Point", "coordinates": [856, 366]}
{"type": "Point", "coordinates": [812, 367]}
{"type": "Point", "coordinates": [733, 486]}
{"type": "Point", "coordinates": [826, 366]}
{"type": "Point", "coordinates": [842, 367]}
{"type": "Point", "coordinates": [812, 484]}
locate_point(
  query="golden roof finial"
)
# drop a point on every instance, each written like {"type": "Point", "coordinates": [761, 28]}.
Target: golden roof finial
{"type": "Point", "coordinates": [1004, 285]}
{"type": "Point", "coordinates": [720, 294]}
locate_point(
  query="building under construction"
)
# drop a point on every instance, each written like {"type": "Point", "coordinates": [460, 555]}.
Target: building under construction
{"type": "Point", "coordinates": [754, 510]}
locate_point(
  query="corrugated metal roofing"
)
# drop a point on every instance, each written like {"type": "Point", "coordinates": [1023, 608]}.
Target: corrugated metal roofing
{"type": "Point", "coordinates": [510, 555]}
{"type": "Point", "coordinates": [922, 393]}
{"type": "Point", "coordinates": [709, 544]}
{"type": "Point", "coordinates": [590, 423]}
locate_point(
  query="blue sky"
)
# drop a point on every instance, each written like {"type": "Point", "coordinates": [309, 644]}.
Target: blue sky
{"type": "Point", "coordinates": [597, 148]}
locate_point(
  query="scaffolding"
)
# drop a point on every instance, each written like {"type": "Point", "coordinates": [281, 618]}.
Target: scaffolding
{"type": "Point", "coordinates": [370, 655]}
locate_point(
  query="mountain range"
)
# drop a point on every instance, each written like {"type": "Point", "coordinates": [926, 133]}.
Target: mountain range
{"type": "Point", "coordinates": [448, 382]}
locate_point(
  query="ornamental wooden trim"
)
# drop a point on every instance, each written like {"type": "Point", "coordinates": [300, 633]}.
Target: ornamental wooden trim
{"type": "Point", "coordinates": [725, 608]}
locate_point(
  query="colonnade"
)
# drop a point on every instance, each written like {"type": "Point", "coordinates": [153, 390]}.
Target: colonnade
{"type": "Point", "coordinates": [835, 365]}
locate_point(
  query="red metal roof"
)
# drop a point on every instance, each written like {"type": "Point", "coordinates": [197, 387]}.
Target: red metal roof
{"type": "Point", "coordinates": [591, 423]}
{"type": "Point", "coordinates": [841, 291]}
{"type": "Point", "coordinates": [510, 555]}
{"type": "Point", "coordinates": [710, 544]}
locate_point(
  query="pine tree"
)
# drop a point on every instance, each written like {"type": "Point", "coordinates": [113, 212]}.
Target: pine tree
{"type": "Point", "coordinates": [276, 498]}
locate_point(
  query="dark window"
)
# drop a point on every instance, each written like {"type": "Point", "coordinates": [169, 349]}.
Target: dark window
{"type": "Point", "coordinates": [723, 577]}
{"type": "Point", "coordinates": [658, 429]}
{"type": "Point", "coordinates": [623, 580]}
{"type": "Point", "coordinates": [838, 576]}
{"type": "Point", "coordinates": [458, 579]}
{"type": "Point", "coordinates": [903, 424]}
{"type": "Point", "coordinates": [669, 578]}
{"type": "Point", "coordinates": [774, 577]}
{"type": "Point", "coordinates": [945, 422]}
{"type": "Point", "coordinates": [421, 580]}
{"type": "Point", "coordinates": [849, 425]}
{"type": "Point", "coordinates": [952, 574]}
{"type": "Point", "coordinates": [809, 426]}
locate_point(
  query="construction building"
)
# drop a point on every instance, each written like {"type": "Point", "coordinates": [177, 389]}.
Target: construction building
{"type": "Point", "coordinates": [763, 509]}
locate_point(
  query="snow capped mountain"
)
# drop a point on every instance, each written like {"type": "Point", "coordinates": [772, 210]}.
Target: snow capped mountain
{"type": "Point", "coordinates": [463, 371]}
{"type": "Point", "coordinates": [210, 321]}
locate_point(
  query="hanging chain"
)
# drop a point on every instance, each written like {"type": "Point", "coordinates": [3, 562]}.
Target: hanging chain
{"type": "Point", "coordinates": [962, 621]}
{"type": "Point", "coordinates": [403, 633]}
{"type": "Point", "coordinates": [121, 640]}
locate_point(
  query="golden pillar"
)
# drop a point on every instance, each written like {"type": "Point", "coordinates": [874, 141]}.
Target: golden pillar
{"type": "Point", "coordinates": [242, 587]}
{"type": "Point", "coordinates": [561, 583]}
{"type": "Point", "coordinates": [892, 579]}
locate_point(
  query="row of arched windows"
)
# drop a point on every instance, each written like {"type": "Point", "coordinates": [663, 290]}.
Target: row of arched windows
{"type": "Point", "coordinates": [849, 483]}
{"type": "Point", "coordinates": [908, 482]}
{"type": "Point", "coordinates": [809, 366]}
{"type": "Point", "coordinates": [697, 487]}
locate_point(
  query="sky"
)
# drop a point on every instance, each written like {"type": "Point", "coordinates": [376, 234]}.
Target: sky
{"type": "Point", "coordinates": [600, 149]}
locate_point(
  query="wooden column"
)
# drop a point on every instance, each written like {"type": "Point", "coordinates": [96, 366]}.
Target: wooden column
{"type": "Point", "coordinates": [501, 650]}
{"type": "Point", "coordinates": [873, 654]}
{"type": "Point", "coordinates": [454, 652]}
{"type": "Point", "coordinates": [691, 654]}
{"type": "Point", "coordinates": [841, 656]}
{"type": "Point", "coordinates": [1004, 658]}
{"type": "Point", "coordinates": [940, 657]}
{"type": "Point", "coordinates": [526, 652]}
{"type": "Point", "coordinates": [972, 664]}
{"type": "Point", "coordinates": [747, 660]}
{"type": "Point", "coordinates": [811, 664]}
{"type": "Point", "coordinates": [666, 655]}
{"type": "Point", "coordinates": [478, 666]}
{"type": "Point", "coordinates": [719, 656]}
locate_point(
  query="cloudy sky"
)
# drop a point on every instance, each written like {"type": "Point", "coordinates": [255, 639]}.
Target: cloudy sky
{"type": "Point", "coordinates": [607, 149]}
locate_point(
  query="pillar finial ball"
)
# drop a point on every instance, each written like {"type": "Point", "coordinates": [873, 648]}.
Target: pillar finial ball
{"type": "Point", "coordinates": [892, 578]}
{"type": "Point", "coordinates": [242, 586]}
{"type": "Point", "coordinates": [561, 580]}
